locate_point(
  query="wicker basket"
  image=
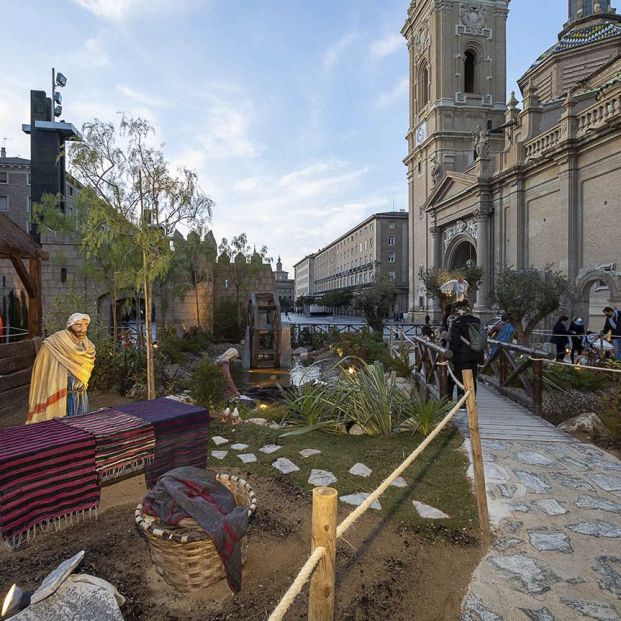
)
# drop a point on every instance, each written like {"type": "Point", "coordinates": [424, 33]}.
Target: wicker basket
{"type": "Point", "coordinates": [184, 555]}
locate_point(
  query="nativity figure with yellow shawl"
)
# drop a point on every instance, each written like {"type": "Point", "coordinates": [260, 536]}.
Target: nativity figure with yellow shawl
{"type": "Point", "coordinates": [61, 372]}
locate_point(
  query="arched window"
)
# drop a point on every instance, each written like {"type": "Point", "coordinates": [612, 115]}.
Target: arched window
{"type": "Point", "coordinates": [63, 274]}
{"type": "Point", "coordinates": [469, 71]}
{"type": "Point", "coordinates": [423, 86]}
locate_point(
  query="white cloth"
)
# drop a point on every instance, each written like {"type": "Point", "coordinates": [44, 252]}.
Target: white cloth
{"type": "Point", "coordinates": [77, 317]}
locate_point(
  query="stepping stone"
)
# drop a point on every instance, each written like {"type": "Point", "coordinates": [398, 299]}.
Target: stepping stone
{"type": "Point", "coordinates": [607, 464]}
{"type": "Point", "coordinates": [262, 422]}
{"type": "Point", "coordinates": [549, 540]}
{"type": "Point", "coordinates": [551, 506]}
{"type": "Point", "coordinates": [429, 512]}
{"type": "Point", "coordinates": [587, 501]}
{"type": "Point", "coordinates": [284, 465]}
{"type": "Point", "coordinates": [520, 507]}
{"type": "Point", "coordinates": [609, 570]}
{"type": "Point", "coordinates": [495, 445]}
{"type": "Point", "coordinates": [309, 452]}
{"type": "Point", "coordinates": [607, 482]}
{"type": "Point", "coordinates": [357, 499]}
{"type": "Point", "coordinates": [248, 458]}
{"type": "Point", "coordinates": [321, 478]}
{"type": "Point", "coordinates": [537, 484]}
{"type": "Point", "coordinates": [219, 440]}
{"type": "Point", "coordinates": [54, 579]}
{"type": "Point", "coordinates": [219, 454]}
{"type": "Point", "coordinates": [360, 470]}
{"type": "Point", "coordinates": [601, 611]}
{"type": "Point", "coordinates": [505, 544]}
{"type": "Point", "coordinates": [533, 459]}
{"type": "Point", "coordinates": [596, 528]}
{"type": "Point", "coordinates": [574, 463]}
{"type": "Point", "coordinates": [239, 447]}
{"type": "Point", "coordinates": [543, 614]}
{"type": "Point", "coordinates": [270, 448]}
{"type": "Point", "coordinates": [474, 610]}
{"type": "Point", "coordinates": [567, 480]}
{"type": "Point", "coordinates": [529, 574]}
{"type": "Point", "coordinates": [507, 491]}
{"type": "Point", "coordinates": [399, 482]}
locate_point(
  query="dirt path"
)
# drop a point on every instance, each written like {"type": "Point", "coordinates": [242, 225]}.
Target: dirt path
{"type": "Point", "coordinates": [383, 570]}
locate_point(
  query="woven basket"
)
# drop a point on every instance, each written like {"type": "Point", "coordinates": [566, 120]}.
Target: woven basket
{"type": "Point", "coordinates": [184, 555]}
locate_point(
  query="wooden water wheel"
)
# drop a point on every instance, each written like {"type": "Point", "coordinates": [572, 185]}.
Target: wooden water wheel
{"type": "Point", "coordinates": [264, 331]}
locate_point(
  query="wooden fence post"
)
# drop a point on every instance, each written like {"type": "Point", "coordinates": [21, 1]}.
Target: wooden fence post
{"type": "Point", "coordinates": [443, 381]}
{"type": "Point", "coordinates": [537, 386]}
{"type": "Point", "coordinates": [321, 596]}
{"type": "Point", "coordinates": [477, 454]}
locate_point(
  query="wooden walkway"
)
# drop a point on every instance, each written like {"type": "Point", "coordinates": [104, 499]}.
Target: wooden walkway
{"type": "Point", "coordinates": [503, 419]}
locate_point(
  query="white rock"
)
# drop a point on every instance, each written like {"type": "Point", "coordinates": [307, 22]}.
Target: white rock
{"type": "Point", "coordinates": [356, 430]}
{"type": "Point", "coordinates": [219, 454]}
{"type": "Point", "coordinates": [285, 465]}
{"type": "Point", "coordinates": [219, 440]}
{"type": "Point", "coordinates": [399, 482]}
{"type": "Point", "coordinates": [358, 498]}
{"type": "Point", "coordinates": [248, 458]}
{"type": "Point", "coordinates": [360, 470]}
{"type": "Point", "coordinates": [321, 478]}
{"type": "Point", "coordinates": [426, 511]}
{"type": "Point", "coordinates": [262, 422]}
{"type": "Point", "coordinates": [589, 423]}
{"type": "Point", "coordinates": [270, 448]}
{"type": "Point", "coordinates": [309, 452]}
{"type": "Point", "coordinates": [239, 446]}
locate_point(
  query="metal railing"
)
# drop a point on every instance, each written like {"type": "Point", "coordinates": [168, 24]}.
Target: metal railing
{"type": "Point", "coordinates": [10, 334]}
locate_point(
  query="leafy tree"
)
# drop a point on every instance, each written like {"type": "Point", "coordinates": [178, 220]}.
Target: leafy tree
{"type": "Point", "coordinates": [245, 265]}
{"type": "Point", "coordinates": [435, 277]}
{"type": "Point", "coordinates": [376, 301]}
{"type": "Point", "coordinates": [529, 295]}
{"type": "Point", "coordinates": [140, 200]}
{"type": "Point", "coordinates": [337, 299]}
{"type": "Point", "coordinates": [191, 258]}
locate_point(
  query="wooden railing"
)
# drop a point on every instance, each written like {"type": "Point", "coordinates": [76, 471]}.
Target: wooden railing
{"type": "Point", "coordinates": [508, 366]}
{"type": "Point", "coordinates": [16, 360]}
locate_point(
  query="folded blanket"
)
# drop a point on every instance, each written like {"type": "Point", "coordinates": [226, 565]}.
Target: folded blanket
{"type": "Point", "coordinates": [47, 472]}
{"type": "Point", "coordinates": [124, 443]}
{"type": "Point", "coordinates": [181, 434]}
{"type": "Point", "coordinates": [196, 493]}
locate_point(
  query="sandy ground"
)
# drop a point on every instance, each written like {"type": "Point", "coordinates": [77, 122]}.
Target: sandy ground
{"type": "Point", "coordinates": [383, 570]}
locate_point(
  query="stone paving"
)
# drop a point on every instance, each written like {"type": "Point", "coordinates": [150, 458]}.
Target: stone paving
{"type": "Point", "coordinates": [556, 510]}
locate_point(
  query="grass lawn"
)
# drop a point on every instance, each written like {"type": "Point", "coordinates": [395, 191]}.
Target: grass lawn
{"type": "Point", "coordinates": [437, 477]}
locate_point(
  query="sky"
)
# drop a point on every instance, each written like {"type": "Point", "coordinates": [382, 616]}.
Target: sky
{"type": "Point", "coordinates": [293, 113]}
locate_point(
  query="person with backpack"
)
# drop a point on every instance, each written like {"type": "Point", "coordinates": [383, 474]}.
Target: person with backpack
{"type": "Point", "coordinates": [467, 341]}
{"type": "Point", "coordinates": [612, 329]}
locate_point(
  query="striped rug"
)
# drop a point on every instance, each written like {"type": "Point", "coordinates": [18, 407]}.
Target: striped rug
{"type": "Point", "coordinates": [47, 472]}
{"type": "Point", "coordinates": [181, 434]}
{"type": "Point", "coordinates": [123, 443]}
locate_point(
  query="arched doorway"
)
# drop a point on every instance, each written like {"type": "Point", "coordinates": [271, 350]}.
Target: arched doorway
{"type": "Point", "coordinates": [594, 290]}
{"type": "Point", "coordinates": [463, 252]}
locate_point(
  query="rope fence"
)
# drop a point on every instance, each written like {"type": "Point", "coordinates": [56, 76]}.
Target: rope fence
{"type": "Point", "coordinates": [320, 564]}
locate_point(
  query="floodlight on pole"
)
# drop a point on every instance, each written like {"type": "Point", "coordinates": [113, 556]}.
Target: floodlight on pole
{"type": "Point", "coordinates": [58, 98]}
{"type": "Point", "coordinates": [61, 80]}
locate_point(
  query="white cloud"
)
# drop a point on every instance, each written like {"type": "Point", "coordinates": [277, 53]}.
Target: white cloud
{"type": "Point", "coordinates": [119, 10]}
{"type": "Point", "coordinates": [386, 45]}
{"type": "Point", "coordinates": [335, 51]}
{"type": "Point", "coordinates": [140, 98]}
{"type": "Point", "coordinates": [92, 54]}
{"type": "Point", "coordinates": [396, 93]}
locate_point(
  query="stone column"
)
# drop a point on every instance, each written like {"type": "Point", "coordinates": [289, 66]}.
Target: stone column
{"type": "Point", "coordinates": [482, 218]}
{"type": "Point", "coordinates": [436, 259]}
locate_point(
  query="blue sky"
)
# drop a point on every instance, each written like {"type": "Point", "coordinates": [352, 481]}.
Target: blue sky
{"type": "Point", "coordinates": [293, 112]}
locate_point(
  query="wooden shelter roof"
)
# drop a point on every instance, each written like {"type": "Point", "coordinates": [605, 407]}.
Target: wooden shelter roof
{"type": "Point", "coordinates": [15, 242]}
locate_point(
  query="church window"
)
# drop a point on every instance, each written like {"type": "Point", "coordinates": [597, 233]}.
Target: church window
{"type": "Point", "coordinates": [489, 125]}
{"type": "Point", "coordinates": [423, 86]}
{"type": "Point", "coordinates": [63, 274]}
{"type": "Point", "coordinates": [469, 71]}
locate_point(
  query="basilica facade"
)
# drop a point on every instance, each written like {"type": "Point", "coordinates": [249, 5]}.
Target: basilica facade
{"type": "Point", "coordinates": [507, 184]}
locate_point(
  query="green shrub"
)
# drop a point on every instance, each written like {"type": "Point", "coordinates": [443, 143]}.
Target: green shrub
{"type": "Point", "coordinates": [306, 337]}
{"type": "Point", "coordinates": [116, 371]}
{"type": "Point", "coordinates": [171, 345]}
{"type": "Point", "coordinates": [208, 384]}
{"type": "Point", "coordinates": [194, 340]}
{"type": "Point", "coordinates": [226, 328]}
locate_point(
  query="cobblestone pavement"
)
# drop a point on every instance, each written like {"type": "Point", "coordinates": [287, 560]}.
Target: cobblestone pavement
{"type": "Point", "coordinates": [556, 510]}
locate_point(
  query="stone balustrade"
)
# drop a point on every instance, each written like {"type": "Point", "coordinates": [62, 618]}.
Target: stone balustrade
{"type": "Point", "coordinates": [599, 114]}
{"type": "Point", "coordinates": [537, 147]}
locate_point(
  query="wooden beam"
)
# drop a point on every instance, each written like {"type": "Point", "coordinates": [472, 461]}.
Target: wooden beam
{"type": "Point", "coordinates": [22, 272]}
{"type": "Point", "coordinates": [35, 308]}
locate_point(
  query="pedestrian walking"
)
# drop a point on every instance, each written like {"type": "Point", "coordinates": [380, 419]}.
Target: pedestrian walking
{"type": "Point", "coordinates": [576, 327]}
{"type": "Point", "coordinates": [466, 342]}
{"type": "Point", "coordinates": [560, 337]}
{"type": "Point", "coordinates": [612, 329]}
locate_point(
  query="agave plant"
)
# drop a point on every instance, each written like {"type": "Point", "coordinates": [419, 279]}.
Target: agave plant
{"type": "Point", "coordinates": [427, 414]}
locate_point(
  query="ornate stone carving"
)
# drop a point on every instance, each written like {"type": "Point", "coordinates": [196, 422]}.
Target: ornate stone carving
{"type": "Point", "coordinates": [472, 20]}
{"type": "Point", "coordinates": [469, 227]}
{"type": "Point", "coordinates": [436, 169]}
{"type": "Point", "coordinates": [422, 40]}
{"type": "Point", "coordinates": [481, 142]}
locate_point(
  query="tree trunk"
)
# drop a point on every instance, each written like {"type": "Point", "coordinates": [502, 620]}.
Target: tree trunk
{"type": "Point", "coordinates": [147, 324]}
{"type": "Point", "coordinates": [115, 336]}
{"type": "Point", "coordinates": [138, 320]}
{"type": "Point", "coordinates": [198, 318]}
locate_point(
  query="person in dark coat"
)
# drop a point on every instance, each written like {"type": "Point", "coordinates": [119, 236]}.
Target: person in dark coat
{"type": "Point", "coordinates": [560, 336]}
{"type": "Point", "coordinates": [576, 327]}
{"type": "Point", "coordinates": [612, 328]}
{"type": "Point", "coordinates": [458, 342]}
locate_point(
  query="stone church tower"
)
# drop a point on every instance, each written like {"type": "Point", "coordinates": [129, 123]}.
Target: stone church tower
{"type": "Point", "coordinates": [457, 54]}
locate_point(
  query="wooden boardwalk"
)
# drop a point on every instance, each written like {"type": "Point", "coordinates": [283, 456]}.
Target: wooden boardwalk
{"type": "Point", "coordinates": [503, 419]}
